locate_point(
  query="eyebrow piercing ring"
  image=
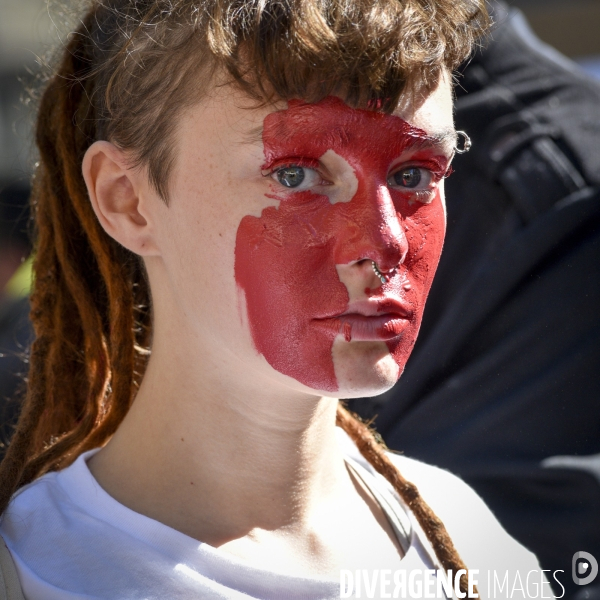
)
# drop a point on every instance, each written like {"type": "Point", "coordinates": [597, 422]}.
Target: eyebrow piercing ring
{"type": "Point", "coordinates": [377, 272]}
{"type": "Point", "coordinates": [466, 145]}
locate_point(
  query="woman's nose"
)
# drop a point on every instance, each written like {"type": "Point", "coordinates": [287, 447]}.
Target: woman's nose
{"type": "Point", "coordinates": [372, 231]}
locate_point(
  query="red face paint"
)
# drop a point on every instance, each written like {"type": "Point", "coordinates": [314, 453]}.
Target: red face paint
{"type": "Point", "coordinates": [285, 260]}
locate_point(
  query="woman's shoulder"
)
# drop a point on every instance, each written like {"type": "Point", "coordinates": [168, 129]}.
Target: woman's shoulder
{"type": "Point", "coordinates": [503, 563]}
{"type": "Point", "coordinates": [43, 519]}
{"type": "Point", "coordinates": [43, 500]}
{"type": "Point", "coordinates": [480, 539]}
{"type": "Point", "coordinates": [69, 539]}
{"type": "Point", "coordinates": [31, 528]}
{"type": "Point", "coordinates": [31, 506]}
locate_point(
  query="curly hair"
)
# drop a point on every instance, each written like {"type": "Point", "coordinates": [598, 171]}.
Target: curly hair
{"type": "Point", "coordinates": [125, 75]}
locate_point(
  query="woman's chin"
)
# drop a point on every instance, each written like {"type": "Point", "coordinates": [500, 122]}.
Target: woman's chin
{"type": "Point", "coordinates": [363, 369]}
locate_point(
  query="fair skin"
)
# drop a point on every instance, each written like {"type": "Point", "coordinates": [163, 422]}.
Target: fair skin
{"type": "Point", "coordinates": [218, 444]}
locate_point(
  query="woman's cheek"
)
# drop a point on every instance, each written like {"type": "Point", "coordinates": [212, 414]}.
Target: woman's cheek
{"type": "Point", "coordinates": [425, 229]}
{"type": "Point", "coordinates": [284, 266]}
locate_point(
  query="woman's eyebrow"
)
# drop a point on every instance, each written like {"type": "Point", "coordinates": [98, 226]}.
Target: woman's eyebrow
{"type": "Point", "coordinates": [444, 140]}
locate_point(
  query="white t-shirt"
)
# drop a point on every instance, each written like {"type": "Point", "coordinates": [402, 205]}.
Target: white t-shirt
{"type": "Point", "coordinates": [70, 539]}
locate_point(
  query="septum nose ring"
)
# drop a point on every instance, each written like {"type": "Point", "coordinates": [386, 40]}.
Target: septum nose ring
{"type": "Point", "coordinates": [384, 277]}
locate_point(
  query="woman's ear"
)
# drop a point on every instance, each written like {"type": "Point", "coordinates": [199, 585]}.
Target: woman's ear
{"type": "Point", "coordinates": [114, 190]}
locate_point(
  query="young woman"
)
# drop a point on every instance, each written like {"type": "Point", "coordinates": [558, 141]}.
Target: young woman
{"type": "Point", "coordinates": [239, 209]}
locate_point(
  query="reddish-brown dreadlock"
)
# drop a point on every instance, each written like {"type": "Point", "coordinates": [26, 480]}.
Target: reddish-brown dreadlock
{"type": "Point", "coordinates": [83, 298]}
{"type": "Point", "coordinates": [125, 75]}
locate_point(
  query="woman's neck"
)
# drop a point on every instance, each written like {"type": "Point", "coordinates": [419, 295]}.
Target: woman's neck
{"type": "Point", "coordinates": [217, 457]}
{"type": "Point", "coordinates": [232, 456]}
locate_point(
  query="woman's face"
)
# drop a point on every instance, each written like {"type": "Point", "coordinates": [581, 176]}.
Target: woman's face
{"type": "Point", "coordinates": [303, 239]}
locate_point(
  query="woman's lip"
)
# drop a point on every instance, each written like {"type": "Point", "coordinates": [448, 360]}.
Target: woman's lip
{"type": "Point", "coordinates": [363, 328]}
{"type": "Point", "coordinates": [375, 307]}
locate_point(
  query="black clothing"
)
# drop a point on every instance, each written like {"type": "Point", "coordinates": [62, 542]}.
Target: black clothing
{"type": "Point", "coordinates": [504, 374]}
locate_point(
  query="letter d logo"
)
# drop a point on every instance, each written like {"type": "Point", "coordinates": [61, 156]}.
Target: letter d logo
{"type": "Point", "coordinates": [584, 564]}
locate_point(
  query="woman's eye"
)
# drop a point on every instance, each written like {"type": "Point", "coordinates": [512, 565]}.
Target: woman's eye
{"type": "Point", "coordinates": [417, 181]}
{"type": "Point", "coordinates": [291, 176]}
{"type": "Point", "coordinates": [413, 178]}
{"type": "Point", "coordinates": [297, 178]}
